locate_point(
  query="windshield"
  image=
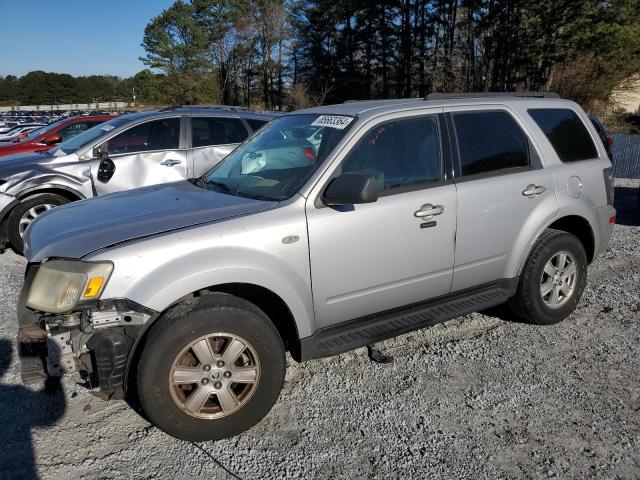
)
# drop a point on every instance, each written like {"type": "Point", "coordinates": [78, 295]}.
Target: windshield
{"type": "Point", "coordinates": [80, 140]}
{"type": "Point", "coordinates": [280, 158]}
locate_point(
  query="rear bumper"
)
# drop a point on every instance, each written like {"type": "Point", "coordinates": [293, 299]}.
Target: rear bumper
{"type": "Point", "coordinates": [605, 216]}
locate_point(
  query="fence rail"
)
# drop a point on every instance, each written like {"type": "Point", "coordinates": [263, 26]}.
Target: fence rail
{"type": "Point", "coordinates": [626, 155]}
{"type": "Point", "coordinates": [68, 106]}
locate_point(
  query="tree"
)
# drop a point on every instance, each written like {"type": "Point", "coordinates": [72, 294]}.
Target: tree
{"type": "Point", "coordinates": [177, 43]}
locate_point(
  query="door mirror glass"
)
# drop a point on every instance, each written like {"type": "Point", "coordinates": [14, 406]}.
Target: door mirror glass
{"type": "Point", "coordinates": [52, 139]}
{"type": "Point", "coordinates": [351, 188]}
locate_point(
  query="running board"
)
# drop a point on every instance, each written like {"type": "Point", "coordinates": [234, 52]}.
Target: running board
{"type": "Point", "coordinates": [367, 330]}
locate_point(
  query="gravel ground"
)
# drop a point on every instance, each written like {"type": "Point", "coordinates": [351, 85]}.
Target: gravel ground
{"type": "Point", "coordinates": [476, 397]}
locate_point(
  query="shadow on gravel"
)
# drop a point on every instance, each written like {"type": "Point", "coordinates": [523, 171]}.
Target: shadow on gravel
{"type": "Point", "coordinates": [502, 312]}
{"type": "Point", "coordinates": [627, 205]}
{"type": "Point", "coordinates": [22, 409]}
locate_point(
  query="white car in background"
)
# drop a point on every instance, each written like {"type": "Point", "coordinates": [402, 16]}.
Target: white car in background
{"type": "Point", "coordinates": [16, 132]}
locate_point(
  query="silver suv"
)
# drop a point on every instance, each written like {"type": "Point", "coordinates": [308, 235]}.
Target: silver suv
{"type": "Point", "coordinates": [127, 152]}
{"type": "Point", "coordinates": [328, 230]}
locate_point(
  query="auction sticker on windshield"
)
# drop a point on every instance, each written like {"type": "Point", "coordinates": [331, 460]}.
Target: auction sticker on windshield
{"type": "Point", "coordinates": [332, 121]}
{"type": "Point", "coordinates": [107, 128]}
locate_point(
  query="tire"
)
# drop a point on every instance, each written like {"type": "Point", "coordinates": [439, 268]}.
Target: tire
{"type": "Point", "coordinates": [169, 340]}
{"type": "Point", "coordinates": [39, 203]}
{"type": "Point", "coordinates": [529, 303]}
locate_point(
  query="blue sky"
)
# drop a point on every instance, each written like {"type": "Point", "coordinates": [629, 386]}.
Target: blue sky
{"type": "Point", "coordinates": [80, 37]}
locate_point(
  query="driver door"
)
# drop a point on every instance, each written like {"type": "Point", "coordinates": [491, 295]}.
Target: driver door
{"type": "Point", "coordinates": [373, 257]}
{"type": "Point", "coordinates": [148, 153]}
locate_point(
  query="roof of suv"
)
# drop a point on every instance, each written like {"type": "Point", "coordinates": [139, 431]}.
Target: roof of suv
{"type": "Point", "coordinates": [236, 112]}
{"type": "Point", "coordinates": [373, 108]}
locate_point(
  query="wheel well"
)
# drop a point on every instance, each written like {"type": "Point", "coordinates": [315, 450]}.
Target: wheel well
{"type": "Point", "coordinates": [68, 194]}
{"type": "Point", "coordinates": [272, 305]}
{"type": "Point", "coordinates": [579, 227]}
{"type": "Point", "coordinates": [266, 300]}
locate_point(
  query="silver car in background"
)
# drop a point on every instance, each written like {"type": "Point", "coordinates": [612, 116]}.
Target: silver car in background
{"type": "Point", "coordinates": [130, 151]}
{"type": "Point", "coordinates": [330, 229]}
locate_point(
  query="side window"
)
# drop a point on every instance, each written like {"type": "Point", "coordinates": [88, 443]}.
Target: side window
{"type": "Point", "coordinates": [255, 124]}
{"type": "Point", "coordinates": [400, 154]}
{"type": "Point", "coordinates": [566, 132]}
{"type": "Point", "coordinates": [157, 135]}
{"type": "Point", "coordinates": [74, 129]}
{"type": "Point", "coordinates": [490, 141]}
{"type": "Point", "coordinates": [217, 131]}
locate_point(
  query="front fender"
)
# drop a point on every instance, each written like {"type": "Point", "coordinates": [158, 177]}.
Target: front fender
{"type": "Point", "coordinates": [158, 271]}
{"type": "Point", "coordinates": [7, 202]}
{"type": "Point", "coordinates": [73, 177]}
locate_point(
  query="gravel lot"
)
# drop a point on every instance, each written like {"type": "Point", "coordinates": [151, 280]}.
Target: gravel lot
{"type": "Point", "coordinates": [477, 397]}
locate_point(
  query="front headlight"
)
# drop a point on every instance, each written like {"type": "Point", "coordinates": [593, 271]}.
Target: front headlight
{"type": "Point", "coordinates": [61, 284]}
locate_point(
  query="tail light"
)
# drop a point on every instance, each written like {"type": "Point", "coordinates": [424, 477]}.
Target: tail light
{"type": "Point", "coordinates": [609, 140]}
{"type": "Point", "coordinates": [608, 184]}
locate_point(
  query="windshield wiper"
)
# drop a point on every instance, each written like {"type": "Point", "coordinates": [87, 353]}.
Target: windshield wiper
{"type": "Point", "coordinates": [236, 191]}
{"type": "Point", "coordinates": [225, 187]}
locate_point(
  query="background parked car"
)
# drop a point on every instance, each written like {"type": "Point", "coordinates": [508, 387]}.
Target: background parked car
{"type": "Point", "coordinates": [130, 151]}
{"type": "Point", "coordinates": [20, 131]}
{"type": "Point", "coordinates": [48, 137]}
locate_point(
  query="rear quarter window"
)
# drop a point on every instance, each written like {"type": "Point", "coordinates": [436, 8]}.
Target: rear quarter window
{"type": "Point", "coordinates": [566, 133]}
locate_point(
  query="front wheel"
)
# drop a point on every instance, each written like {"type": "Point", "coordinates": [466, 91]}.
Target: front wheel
{"type": "Point", "coordinates": [26, 212]}
{"type": "Point", "coordinates": [553, 279]}
{"type": "Point", "coordinates": [210, 370]}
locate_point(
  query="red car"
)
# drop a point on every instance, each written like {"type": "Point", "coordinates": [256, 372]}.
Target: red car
{"type": "Point", "coordinates": [49, 136]}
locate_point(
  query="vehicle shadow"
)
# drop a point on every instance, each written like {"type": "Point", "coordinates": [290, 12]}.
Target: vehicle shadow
{"type": "Point", "coordinates": [21, 410]}
{"type": "Point", "coordinates": [627, 206]}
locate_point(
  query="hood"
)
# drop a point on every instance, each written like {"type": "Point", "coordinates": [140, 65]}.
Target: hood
{"type": "Point", "coordinates": [79, 228]}
{"type": "Point", "coordinates": [24, 160]}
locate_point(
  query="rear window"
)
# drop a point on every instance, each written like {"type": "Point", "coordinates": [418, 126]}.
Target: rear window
{"type": "Point", "coordinates": [489, 142]}
{"type": "Point", "coordinates": [566, 132]}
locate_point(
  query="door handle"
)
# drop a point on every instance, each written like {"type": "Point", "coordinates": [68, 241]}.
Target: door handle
{"type": "Point", "coordinates": [170, 162]}
{"type": "Point", "coordinates": [427, 210]}
{"type": "Point", "coordinates": [533, 191]}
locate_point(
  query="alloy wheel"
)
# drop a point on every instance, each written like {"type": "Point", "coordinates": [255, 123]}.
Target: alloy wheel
{"type": "Point", "coordinates": [214, 376]}
{"type": "Point", "coordinates": [558, 281]}
{"type": "Point", "coordinates": [30, 215]}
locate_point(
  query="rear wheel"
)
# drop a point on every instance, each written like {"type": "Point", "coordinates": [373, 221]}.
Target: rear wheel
{"type": "Point", "coordinates": [210, 370]}
{"type": "Point", "coordinates": [553, 279]}
{"type": "Point", "coordinates": [26, 212]}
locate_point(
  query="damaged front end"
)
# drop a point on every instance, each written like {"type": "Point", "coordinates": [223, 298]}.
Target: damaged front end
{"type": "Point", "coordinates": [93, 339]}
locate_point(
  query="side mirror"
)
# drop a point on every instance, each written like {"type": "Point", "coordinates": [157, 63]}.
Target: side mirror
{"type": "Point", "coordinates": [351, 188]}
{"type": "Point", "coordinates": [101, 152]}
{"type": "Point", "coordinates": [52, 139]}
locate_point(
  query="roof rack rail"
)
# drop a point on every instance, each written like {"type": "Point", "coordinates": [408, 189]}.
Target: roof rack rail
{"type": "Point", "coordinates": [220, 107]}
{"type": "Point", "coordinates": [450, 96]}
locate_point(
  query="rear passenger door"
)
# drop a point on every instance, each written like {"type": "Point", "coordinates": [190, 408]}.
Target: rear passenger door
{"type": "Point", "coordinates": [504, 194]}
{"type": "Point", "coordinates": [212, 139]}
